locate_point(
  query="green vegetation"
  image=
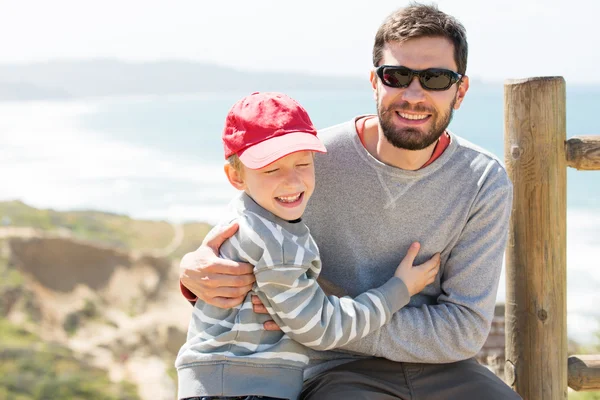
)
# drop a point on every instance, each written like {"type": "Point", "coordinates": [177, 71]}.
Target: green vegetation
{"type": "Point", "coordinates": [171, 370]}
{"type": "Point", "coordinates": [32, 370]}
{"type": "Point", "coordinates": [11, 282]}
{"type": "Point", "coordinates": [13, 288]}
{"type": "Point", "coordinates": [74, 319]}
{"type": "Point", "coordinates": [584, 395]}
{"type": "Point", "coordinates": [104, 228]}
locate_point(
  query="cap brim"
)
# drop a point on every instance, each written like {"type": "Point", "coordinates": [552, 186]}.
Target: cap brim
{"type": "Point", "coordinates": [264, 153]}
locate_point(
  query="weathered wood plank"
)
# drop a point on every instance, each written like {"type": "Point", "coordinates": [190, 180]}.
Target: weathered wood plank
{"type": "Point", "coordinates": [584, 372]}
{"type": "Point", "coordinates": [583, 152]}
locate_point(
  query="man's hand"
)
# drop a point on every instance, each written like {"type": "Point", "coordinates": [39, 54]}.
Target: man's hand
{"type": "Point", "coordinates": [216, 281]}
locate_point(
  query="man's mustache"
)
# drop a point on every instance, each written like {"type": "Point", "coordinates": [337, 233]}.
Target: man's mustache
{"type": "Point", "coordinates": [405, 106]}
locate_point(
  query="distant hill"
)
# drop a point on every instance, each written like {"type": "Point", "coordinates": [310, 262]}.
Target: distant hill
{"type": "Point", "coordinates": [55, 80]}
{"type": "Point", "coordinates": [104, 229]}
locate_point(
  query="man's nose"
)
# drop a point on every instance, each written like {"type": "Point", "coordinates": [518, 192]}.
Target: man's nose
{"type": "Point", "coordinates": [414, 93]}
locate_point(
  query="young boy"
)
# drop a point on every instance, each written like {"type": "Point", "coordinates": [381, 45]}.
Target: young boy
{"type": "Point", "coordinates": [269, 141]}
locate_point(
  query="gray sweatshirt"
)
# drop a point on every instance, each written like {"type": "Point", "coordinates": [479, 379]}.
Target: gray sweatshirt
{"type": "Point", "coordinates": [365, 214]}
{"type": "Point", "coordinates": [228, 353]}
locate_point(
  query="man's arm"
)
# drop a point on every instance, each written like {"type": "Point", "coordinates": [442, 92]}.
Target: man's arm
{"type": "Point", "coordinates": [457, 327]}
{"type": "Point", "coordinates": [216, 281]}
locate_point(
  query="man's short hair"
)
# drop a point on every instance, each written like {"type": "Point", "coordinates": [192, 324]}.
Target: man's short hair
{"type": "Point", "coordinates": [420, 20]}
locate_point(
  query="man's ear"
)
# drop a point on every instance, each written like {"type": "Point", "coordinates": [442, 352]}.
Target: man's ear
{"type": "Point", "coordinates": [234, 176]}
{"type": "Point", "coordinates": [373, 79]}
{"type": "Point", "coordinates": [461, 92]}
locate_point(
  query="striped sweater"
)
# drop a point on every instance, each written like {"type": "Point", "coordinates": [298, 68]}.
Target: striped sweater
{"type": "Point", "coordinates": [228, 353]}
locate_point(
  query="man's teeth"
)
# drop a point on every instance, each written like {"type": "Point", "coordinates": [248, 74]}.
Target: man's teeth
{"type": "Point", "coordinates": [413, 116]}
{"type": "Point", "coordinates": [289, 199]}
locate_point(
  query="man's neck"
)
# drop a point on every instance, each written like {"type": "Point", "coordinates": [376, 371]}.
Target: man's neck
{"type": "Point", "coordinates": [379, 147]}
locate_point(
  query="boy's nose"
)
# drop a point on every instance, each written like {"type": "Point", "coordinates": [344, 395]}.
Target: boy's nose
{"type": "Point", "coordinates": [292, 179]}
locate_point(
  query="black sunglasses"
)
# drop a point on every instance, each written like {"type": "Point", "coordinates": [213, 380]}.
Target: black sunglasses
{"type": "Point", "coordinates": [397, 76]}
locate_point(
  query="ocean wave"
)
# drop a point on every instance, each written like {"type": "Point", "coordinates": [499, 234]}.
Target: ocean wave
{"type": "Point", "coordinates": [52, 162]}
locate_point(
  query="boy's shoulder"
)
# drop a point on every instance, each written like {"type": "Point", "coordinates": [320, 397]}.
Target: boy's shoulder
{"type": "Point", "coordinates": [250, 241]}
{"type": "Point", "coordinates": [263, 221]}
{"type": "Point", "coordinates": [243, 211]}
{"type": "Point", "coordinates": [259, 227]}
{"type": "Point", "coordinates": [259, 231]}
{"type": "Point", "coordinates": [264, 243]}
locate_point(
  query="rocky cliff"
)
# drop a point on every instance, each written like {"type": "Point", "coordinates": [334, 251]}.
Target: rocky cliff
{"type": "Point", "coordinates": [116, 310]}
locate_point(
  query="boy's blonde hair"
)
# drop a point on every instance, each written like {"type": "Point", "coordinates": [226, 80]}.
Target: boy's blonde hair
{"type": "Point", "coordinates": [236, 163]}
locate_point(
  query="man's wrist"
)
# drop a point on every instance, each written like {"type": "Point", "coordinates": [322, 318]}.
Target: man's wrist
{"type": "Point", "coordinates": [187, 293]}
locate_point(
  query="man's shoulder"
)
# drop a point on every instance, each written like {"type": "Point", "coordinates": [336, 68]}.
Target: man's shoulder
{"type": "Point", "coordinates": [337, 132]}
{"type": "Point", "coordinates": [473, 149]}
{"type": "Point", "coordinates": [476, 152]}
{"type": "Point", "coordinates": [486, 165]}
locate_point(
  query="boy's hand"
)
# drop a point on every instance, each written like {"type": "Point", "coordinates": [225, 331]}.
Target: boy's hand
{"type": "Point", "coordinates": [417, 277]}
{"type": "Point", "coordinates": [258, 307]}
{"type": "Point", "coordinates": [216, 281]}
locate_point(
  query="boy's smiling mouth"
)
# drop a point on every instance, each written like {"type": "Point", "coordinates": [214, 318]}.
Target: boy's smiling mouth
{"type": "Point", "coordinates": [291, 200]}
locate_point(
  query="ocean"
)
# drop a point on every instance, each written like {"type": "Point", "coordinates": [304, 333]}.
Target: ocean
{"type": "Point", "coordinates": [161, 158]}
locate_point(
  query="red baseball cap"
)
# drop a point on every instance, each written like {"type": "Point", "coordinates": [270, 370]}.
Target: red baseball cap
{"type": "Point", "coordinates": [265, 126]}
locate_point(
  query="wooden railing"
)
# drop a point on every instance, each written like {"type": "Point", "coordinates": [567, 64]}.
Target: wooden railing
{"type": "Point", "coordinates": [537, 155]}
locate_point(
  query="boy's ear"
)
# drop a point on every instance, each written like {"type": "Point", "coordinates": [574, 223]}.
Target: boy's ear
{"type": "Point", "coordinates": [234, 176]}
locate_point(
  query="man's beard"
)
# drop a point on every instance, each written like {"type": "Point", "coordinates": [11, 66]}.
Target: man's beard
{"type": "Point", "coordinates": [414, 138]}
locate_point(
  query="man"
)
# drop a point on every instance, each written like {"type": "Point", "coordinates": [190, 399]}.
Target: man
{"type": "Point", "coordinates": [389, 180]}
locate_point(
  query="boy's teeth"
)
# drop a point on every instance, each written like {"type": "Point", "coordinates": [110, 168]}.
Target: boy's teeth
{"type": "Point", "coordinates": [413, 116]}
{"type": "Point", "coordinates": [289, 199]}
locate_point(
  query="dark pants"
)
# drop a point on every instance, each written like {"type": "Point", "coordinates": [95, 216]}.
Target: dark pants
{"type": "Point", "coordinates": [232, 398]}
{"type": "Point", "coordinates": [381, 379]}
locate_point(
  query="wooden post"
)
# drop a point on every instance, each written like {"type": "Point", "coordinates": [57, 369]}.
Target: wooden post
{"type": "Point", "coordinates": [536, 307]}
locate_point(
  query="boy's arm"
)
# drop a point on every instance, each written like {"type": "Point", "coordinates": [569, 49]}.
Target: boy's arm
{"type": "Point", "coordinates": [286, 282]}
{"type": "Point", "coordinates": [330, 289]}
{"type": "Point", "coordinates": [306, 314]}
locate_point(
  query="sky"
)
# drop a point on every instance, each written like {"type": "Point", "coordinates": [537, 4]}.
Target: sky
{"type": "Point", "coordinates": [507, 39]}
